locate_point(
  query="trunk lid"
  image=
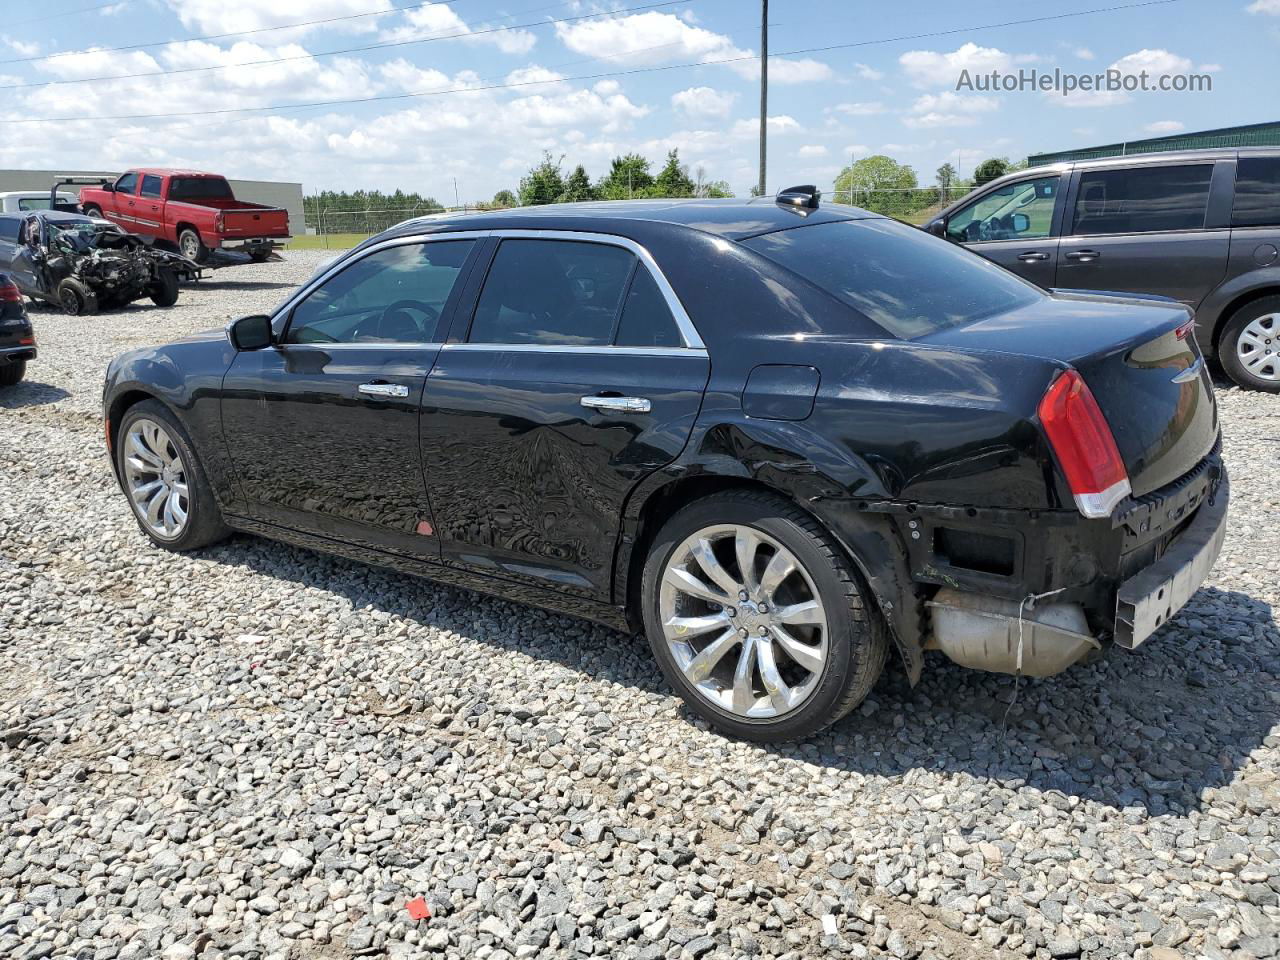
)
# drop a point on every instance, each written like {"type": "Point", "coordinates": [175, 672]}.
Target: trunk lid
{"type": "Point", "coordinates": [261, 222]}
{"type": "Point", "coordinates": [1150, 382]}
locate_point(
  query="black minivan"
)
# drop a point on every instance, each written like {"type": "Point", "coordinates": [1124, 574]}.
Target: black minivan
{"type": "Point", "coordinates": [1199, 226]}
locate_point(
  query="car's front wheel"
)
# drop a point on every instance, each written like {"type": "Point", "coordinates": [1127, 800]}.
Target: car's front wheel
{"type": "Point", "coordinates": [76, 299]}
{"type": "Point", "coordinates": [164, 292]}
{"type": "Point", "coordinates": [164, 481]}
{"type": "Point", "coordinates": [757, 619]}
{"type": "Point", "coordinates": [1250, 345]}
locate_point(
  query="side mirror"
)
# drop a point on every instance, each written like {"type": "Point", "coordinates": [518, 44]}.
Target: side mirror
{"type": "Point", "coordinates": [938, 228]}
{"type": "Point", "coordinates": [1021, 223]}
{"type": "Point", "coordinates": [109, 187]}
{"type": "Point", "coordinates": [250, 333]}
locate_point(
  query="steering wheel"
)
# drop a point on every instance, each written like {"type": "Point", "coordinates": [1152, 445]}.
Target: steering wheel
{"type": "Point", "coordinates": [432, 313]}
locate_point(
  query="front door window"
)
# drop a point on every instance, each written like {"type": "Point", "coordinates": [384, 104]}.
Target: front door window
{"type": "Point", "coordinates": [1016, 211]}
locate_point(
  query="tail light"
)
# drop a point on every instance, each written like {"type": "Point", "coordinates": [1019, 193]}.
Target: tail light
{"type": "Point", "coordinates": [218, 221]}
{"type": "Point", "coordinates": [9, 292]}
{"type": "Point", "coordinates": [1086, 449]}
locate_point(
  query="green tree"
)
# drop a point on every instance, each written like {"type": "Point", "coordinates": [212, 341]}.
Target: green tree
{"type": "Point", "coordinates": [578, 186]}
{"type": "Point", "coordinates": [503, 199]}
{"type": "Point", "coordinates": [883, 185]}
{"type": "Point", "coordinates": [628, 177]}
{"type": "Point", "coordinates": [543, 184]}
{"type": "Point", "coordinates": [946, 182]}
{"type": "Point", "coordinates": [673, 180]}
{"type": "Point", "coordinates": [989, 170]}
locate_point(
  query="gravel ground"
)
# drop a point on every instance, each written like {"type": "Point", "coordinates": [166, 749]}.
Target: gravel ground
{"type": "Point", "coordinates": [257, 751]}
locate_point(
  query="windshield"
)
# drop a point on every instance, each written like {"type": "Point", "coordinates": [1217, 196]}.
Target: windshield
{"type": "Point", "coordinates": [907, 281]}
{"type": "Point", "coordinates": [81, 235]}
{"type": "Point", "coordinates": [199, 188]}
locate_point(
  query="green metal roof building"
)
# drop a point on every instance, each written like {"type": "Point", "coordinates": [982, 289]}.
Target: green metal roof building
{"type": "Point", "coordinates": [1253, 135]}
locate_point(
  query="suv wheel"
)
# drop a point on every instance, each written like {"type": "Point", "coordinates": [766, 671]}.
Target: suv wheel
{"type": "Point", "coordinates": [76, 299]}
{"type": "Point", "coordinates": [11, 373]}
{"type": "Point", "coordinates": [165, 484]}
{"type": "Point", "coordinates": [1250, 345]}
{"type": "Point", "coordinates": [757, 620]}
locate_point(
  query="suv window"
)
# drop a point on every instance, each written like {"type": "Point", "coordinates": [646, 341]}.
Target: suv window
{"type": "Point", "coordinates": [1016, 211]}
{"type": "Point", "coordinates": [396, 295]}
{"type": "Point", "coordinates": [1257, 201]}
{"type": "Point", "coordinates": [560, 292]}
{"type": "Point", "coordinates": [151, 186]}
{"type": "Point", "coordinates": [127, 184]}
{"type": "Point", "coordinates": [9, 228]}
{"type": "Point", "coordinates": [910, 283]}
{"type": "Point", "coordinates": [646, 318]}
{"type": "Point", "coordinates": [1142, 200]}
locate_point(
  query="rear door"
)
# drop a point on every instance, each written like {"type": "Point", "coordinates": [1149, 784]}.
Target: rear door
{"type": "Point", "coordinates": [1146, 228]}
{"type": "Point", "coordinates": [149, 209]}
{"type": "Point", "coordinates": [576, 375]}
{"type": "Point", "coordinates": [1016, 225]}
{"type": "Point", "coordinates": [323, 427]}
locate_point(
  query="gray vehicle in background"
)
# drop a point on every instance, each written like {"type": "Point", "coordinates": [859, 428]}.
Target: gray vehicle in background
{"type": "Point", "coordinates": [1198, 226]}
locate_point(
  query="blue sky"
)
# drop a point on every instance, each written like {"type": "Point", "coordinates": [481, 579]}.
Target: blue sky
{"type": "Point", "coordinates": [894, 97]}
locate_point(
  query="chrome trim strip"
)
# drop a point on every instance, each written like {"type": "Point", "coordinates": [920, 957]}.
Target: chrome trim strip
{"type": "Point", "coordinates": [602, 348]}
{"type": "Point", "coordinates": [693, 341]}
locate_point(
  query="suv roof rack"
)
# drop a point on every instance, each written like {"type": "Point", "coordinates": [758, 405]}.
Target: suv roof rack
{"type": "Point", "coordinates": [807, 195]}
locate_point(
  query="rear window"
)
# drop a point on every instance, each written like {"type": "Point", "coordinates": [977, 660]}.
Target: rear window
{"type": "Point", "coordinates": [1257, 192]}
{"type": "Point", "coordinates": [1142, 200]}
{"type": "Point", "coordinates": [907, 281]}
{"type": "Point", "coordinates": [200, 188]}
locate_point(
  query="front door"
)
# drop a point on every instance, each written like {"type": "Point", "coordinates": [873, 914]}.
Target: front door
{"type": "Point", "coordinates": [122, 201]}
{"type": "Point", "coordinates": [1142, 229]}
{"type": "Point", "coordinates": [1015, 226]}
{"type": "Point", "coordinates": [322, 428]}
{"type": "Point", "coordinates": [574, 382]}
{"type": "Point", "coordinates": [18, 258]}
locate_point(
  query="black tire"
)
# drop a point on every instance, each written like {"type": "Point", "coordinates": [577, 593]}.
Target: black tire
{"type": "Point", "coordinates": [164, 292]}
{"type": "Point", "coordinates": [1229, 345]}
{"type": "Point", "coordinates": [11, 373]}
{"type": "Point", "coordinates": [191, 246]}
{"type": "Point", "coordinates": [92, 211]}
{"type": "Point", "coordinates": [260, 256]}
{"type": "Point", "coordinates": [76, 299]}
{"type": "Point", "coordinates": [204, 524]}
{"type": "Point", "coordinates": [857, 642]}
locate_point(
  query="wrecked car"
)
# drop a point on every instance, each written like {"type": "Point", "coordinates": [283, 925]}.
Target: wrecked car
{"type": "Point", "coordinates": [83, 264]}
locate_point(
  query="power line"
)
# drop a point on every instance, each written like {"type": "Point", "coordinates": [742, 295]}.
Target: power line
{"type": "Point", "coordinates": [216, 36]}
{"type": "Point", "coordinates": [65, 13]}
{"type": "Point", "coordinates": [351, 101]}
{"type": "Point", "coordinates": [383, 45]}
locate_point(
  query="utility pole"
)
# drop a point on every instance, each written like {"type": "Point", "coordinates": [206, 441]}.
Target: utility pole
{"type": "Point", "coordinates": [764, 89]}
{"type": "Point", "coordinates": [457, 202]}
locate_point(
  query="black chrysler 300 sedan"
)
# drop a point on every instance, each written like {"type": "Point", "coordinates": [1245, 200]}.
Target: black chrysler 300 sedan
{"type": "Point", "coordinates": [783, 439]}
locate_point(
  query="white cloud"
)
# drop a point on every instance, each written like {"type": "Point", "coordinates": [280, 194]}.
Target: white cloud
{"type": "Point", "coordinates": [811, 150]}
{"type": "Point", "coordinates": [861, 109]}
{"type": "Point", "coordinates": [219, 16]}
{"type": "Point", "coordinates": [867, 73]}
{"type": "Point", "coordinates": [405, 76]}
{"type": "Point", "coordinates": [1155, 62]}
{"type": "Point", "coordinates": [1084, 53]}
{"type": "Point", "coordinates": [439, 20]}
{"type": "Point", "coordinates": [703, 102]}
{"type": "Point", "coordinates": [1165, 126]}
{"type": "Point", "coordinates": [1271, 7]}
{"type": "Point", "coordinates": [532, 75]}
{"type": "Point", "coordinates": [745, 129]}
{"type": "Point", "coordinates": [948, 110]}
{"type": "Point", "coordinates": [928, 68]}
{"type": "Point", "coordinates": [645, 38]}
{"type": "Point", "coordinates": [21, 47]}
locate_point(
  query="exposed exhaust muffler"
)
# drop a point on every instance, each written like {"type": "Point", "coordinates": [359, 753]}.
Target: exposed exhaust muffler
{"type": "Point", "coordinates": [984, 633]}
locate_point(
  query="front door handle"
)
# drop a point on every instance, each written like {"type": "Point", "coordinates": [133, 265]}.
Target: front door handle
{"type": "Point", "coordinates": [383, 390]}
{"type": "Point", "coordinates": [1032, 257]}
{"type": "Point", "coordinates": [1084, 256]}
{"type": "Point", "coordinates": [618, 404]}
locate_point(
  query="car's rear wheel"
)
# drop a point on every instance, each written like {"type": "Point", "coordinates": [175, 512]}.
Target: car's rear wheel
{"type": "Point", "coordinates": [757, 619]}
{"type": "Point", "coordinates": [164, 292]}
{"type": "Point", "coordinates": [76, 299]}
{"type": "Point", "coordinates": [191, 246]}
{"type": "Point", "coordinates": [1250, 345]}
{"type": "Point", "coordinates": [164, 481]}
{"type": "Point", "coordinates": [11, 373]}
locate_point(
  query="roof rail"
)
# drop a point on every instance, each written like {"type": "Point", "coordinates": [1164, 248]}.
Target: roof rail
{"type": "Point", "coordinates": [807, 195]}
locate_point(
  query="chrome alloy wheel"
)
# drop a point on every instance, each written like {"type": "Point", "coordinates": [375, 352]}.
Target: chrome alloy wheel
{"type": "Point", "coordinates": [743, 621]}
{"type": "Point", "coordinates": [1258, 347]}
{"type": "Point", "coordinates": [156, 479]}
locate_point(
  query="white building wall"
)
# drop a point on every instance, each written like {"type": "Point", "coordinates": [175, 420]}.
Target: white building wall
{"type": "Point", "coordinates": [273, 193]}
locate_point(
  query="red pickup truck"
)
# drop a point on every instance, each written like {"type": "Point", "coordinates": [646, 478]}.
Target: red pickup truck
{"type": "Point", "coordinates": [194, 212]}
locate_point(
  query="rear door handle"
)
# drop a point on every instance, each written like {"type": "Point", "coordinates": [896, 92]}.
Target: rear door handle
{"type": "Point", "coordinates": [383, 390]}
{"type": "Point", "coordinates": [1032, 257]}
{"type": "Point", "coordinates": [1084, 256]}
{"type": "Point", "coordinates": [618, 404]}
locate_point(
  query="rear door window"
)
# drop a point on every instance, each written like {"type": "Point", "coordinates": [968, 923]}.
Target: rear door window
{"type": "Point", "coordinates": [646, 318]}
{"type": "Point", "coordinates": [1257, 202]}
{"type": "Point", "coordinates": [1142, 200]}
{"type": "Point", "coordinates": [151, 186]}
{"type": "Point", "coordinates": [552, 292]}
